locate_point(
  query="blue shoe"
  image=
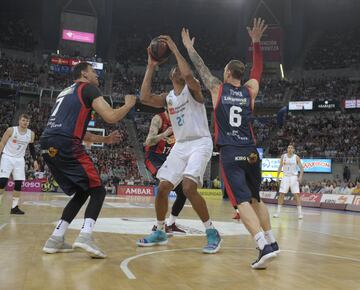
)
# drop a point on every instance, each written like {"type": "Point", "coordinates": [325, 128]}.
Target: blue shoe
{"type": "Point", "coordinates": [157, 237]}
{"type": "Point", "coordinates": [266, 255]}
{"type": "Point", "coordinates": [214, 241]}
{"type": "Point", "coordinates": [275, 247]}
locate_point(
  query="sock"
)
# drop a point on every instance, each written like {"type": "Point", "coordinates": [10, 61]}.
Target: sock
{"type": "Point", "coordinates": [279, 208]}
{"type": "Point", "coordinates": [237, 211]}
{"type": "Point", "coordinates": [15, 202]}
{"type": "Point", "coordinates": [171, 220]}
{"type": "Point", "coordinates": [208, 225]}
{"type": "Point", "coordinates": [88, 226]}
{"type": "Point", "coordinates": [161, 225]}
{"type": "Point", "coordinates": [260, 240]}
{"type": "Point", "coordinates": [60, 228]}
{"type": "Point", "coordinates": [299, 209]}
{"type": "Point", "coordinates": [269, 236]}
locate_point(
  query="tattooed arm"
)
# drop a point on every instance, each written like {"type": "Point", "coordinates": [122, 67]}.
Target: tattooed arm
{"type": "Point", "coordinates": [212, 83]}
{"type": "Point", "coordinates": [153, 137]}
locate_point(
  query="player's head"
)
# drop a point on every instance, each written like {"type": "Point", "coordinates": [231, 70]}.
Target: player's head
{"type": "Point", "coordinates": [291, 148]}
{"type": "Point", "coordinates": [175, 75]}
{"type": "Point", "coordinates": [24, 121]}
{"type": "Point", "coordinates": [234, 70]}
{"type": "Point", "coordinates": [84, 71]}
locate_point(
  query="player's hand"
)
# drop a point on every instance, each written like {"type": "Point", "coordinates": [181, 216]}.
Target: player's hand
{"type": "Point", "coordinates": [168, 132]}
{"type": "Point", "coordinates": [36, 166]}
{"type": "Point", "coordinates": [187, 41]}
{"type": "Point", "coordinates": [113, 138]}
{"type": "Point", "coordinates": [151, 62]}
{"type": "Point", "coordinates": [171, 44]}
{"type": "Point", "coordinates": [130, 100]}
{"type": "Point", "coordinates": [257, 30]}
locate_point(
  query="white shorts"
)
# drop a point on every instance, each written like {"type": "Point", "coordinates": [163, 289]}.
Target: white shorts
{"type": "Point", "coordinates": [187, 159]}
{"type": "Point", "coordinates": [289, 182]}
{"type": "Point", "coordinates": [13, 165]}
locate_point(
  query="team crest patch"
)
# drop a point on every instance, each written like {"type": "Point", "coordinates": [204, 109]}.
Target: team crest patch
{"type": "Point", "coordinates": [52, 152]}
{"type": "Point", "coordinates": [252, 158]}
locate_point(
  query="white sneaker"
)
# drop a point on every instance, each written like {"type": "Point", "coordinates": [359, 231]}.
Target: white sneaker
{"type": "Point", "coordinates": [276, 215]}
{"type": "Point", "coordinates": [85, 242]}
{"type": "Point", "coordinates": [300, 217]}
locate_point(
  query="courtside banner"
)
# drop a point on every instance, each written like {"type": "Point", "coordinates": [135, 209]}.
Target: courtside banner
{"type": "Point", "coordinates": [135, 190]}
{"type": "Point", "coordinates": [310, 165]}
{"type": "Point", "coordinates": [268, 194]}
{"type": "Point", "coordinates": [301, 106]}
{"type": "Point", "coordinates": [337, 198]}
{"type": "Point", "coordinates": [311, 197]}
{"type": "Point", "coordinates": [355, 206]}
{"type": "Point", "coordinates": [208, 192]}
{"type": "Point", "coordinates": [27, 185]}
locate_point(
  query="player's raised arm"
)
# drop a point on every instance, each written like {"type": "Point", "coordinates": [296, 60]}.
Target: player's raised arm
{"type": "Point", "coordinates": [146, 96]}
{"type": "Point", "coordinates": [212, 83]}
{"type": "Point", "coordinates": [256, 33]}
{"type": "Point", "coordinates": [111, 115]}
{"type": "Point", "coordinates": [186, 72]}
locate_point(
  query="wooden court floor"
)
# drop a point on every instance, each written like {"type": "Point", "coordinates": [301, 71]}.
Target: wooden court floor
{"type": "Point", "coordinates": [320, 252]}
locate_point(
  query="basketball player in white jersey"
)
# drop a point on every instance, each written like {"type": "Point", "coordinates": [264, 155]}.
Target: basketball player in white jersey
{"type": "Point", "coordinates": [13, 146]}
{"type": "Point", "coordinates": [289, 162]}
{"type": "Point", "coordinates": [192, 151]}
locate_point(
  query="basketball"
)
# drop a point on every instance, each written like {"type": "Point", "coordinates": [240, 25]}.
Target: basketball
{"type": "Point", "coordinates": [159, 50]}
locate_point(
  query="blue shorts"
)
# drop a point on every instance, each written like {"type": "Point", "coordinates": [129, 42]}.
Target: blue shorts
{"type": "Point", "coordinates": [70, 165]}
{"type": "Point", "coordinates": [241, 172]}
{"type": "Point", "coordinates": [154, 161]}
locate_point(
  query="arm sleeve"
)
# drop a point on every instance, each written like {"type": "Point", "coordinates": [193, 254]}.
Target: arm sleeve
{"type": "Point", "coordinates": [257, 66]}
{"type": "Point", "coordinates": [89, 94]}
{"type": "Point", "coordinates": [32, 151]}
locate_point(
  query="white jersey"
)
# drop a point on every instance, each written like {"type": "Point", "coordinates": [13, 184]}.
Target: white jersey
{"type": "Point", "coordinates": [17, 143]}
{"type": "Point", "coordinates": [188, 117]}
{"type": "Point", "coordinates": [290, 167]}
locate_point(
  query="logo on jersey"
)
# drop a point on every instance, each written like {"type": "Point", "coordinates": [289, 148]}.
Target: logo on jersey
{"type": "Point", "coordinates": [52, 152]}
{"type": "Point", "coordinates": [252, 158]}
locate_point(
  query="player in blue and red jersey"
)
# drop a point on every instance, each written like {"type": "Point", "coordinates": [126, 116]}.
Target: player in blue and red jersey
{"type": "Point", "coordinates": [159, 142]}
{"type": "Point", "coordinates": [64, 154]}
{"type": "Point", "coordinates": [240, 163]}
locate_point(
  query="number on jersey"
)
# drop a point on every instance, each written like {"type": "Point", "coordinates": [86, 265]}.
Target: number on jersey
{"type": "Point", "coordinates": [235, 116]}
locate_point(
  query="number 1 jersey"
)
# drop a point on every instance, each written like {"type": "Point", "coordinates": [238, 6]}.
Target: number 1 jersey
{"type": "Point", "coordinates": [233, 114]}
{"type": "Point", "coordinates": [71, 113]}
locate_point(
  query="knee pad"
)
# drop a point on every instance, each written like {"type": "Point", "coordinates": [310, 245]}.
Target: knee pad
{"type": "Point", "coordinates": [3, 182]}
{"type": "Point", "coordinates": [18, 184]}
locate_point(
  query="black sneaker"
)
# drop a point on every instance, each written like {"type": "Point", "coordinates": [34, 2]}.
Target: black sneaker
{"type": "Point", "coordinates": [168, 230]}
{"type": "Point", "coordinates": [275, 247]}
{"type": "Point", "coordinates": [16, 210]}
{"type": "Point", "coordinates": [266, 255]}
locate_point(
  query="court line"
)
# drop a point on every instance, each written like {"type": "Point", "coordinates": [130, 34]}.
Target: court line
{"type": "Point", "coordinates": [124, 266]}
{"type": "Point", "coordinates": [3, 226]}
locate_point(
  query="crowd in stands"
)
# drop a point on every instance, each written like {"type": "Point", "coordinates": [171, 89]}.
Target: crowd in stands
{"type": "Point", "coordinates": [335, 49]}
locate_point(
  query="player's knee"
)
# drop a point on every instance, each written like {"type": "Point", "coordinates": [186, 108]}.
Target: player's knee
{"type": "Point", "coordinates": [18, 184]}
{"type": "Point", "coordinates": [189, 188]}
{"type": "Point", "coordinates": [98, 193]}
{"type": "Point", "coordinates": [164, 188]}
{"type": "Point", "coordinates": [3, 182]}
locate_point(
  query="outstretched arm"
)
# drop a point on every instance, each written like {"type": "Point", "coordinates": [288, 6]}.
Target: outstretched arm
{"type": "Point", "coordinates": [211, 83]}
{"type": "Point", "coordinates": [154, 137]}
{"type": "Point", "coordinates": [186, 72]}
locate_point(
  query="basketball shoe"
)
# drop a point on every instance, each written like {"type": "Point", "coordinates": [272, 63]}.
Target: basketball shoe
{"type": "Point", "coordinates": [56, 244]}
{"type": "Point", "coordinates": [16, 210]}
{"type": "Point", "coordinates": [157, 237]}
{"type": "Point", "coordinates": [213, 241]}
{"type": "Point", "coordinates": [266, 255]}
{"type": "Point", "coordinates": [85, 242]}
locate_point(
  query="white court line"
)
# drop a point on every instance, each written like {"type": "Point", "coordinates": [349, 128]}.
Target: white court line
{"type": "Point", "coordinates": [2, 226]}
{"type": "Point", "coordinates": [124, 264]}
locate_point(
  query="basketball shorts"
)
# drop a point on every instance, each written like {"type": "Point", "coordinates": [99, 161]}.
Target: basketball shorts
{"type": "Point", "coordinates": [14, 165]}
{"type": "Point", "coordinates": [289, 183]}
{"type": "Point", "coordinates": [154, 161]}
{"type": "Point", "coordinates": [241, 172]}
{"type": "Point", "coordinates": [187, 159]}
{"type": "Point", "coordinates": [70, 165]}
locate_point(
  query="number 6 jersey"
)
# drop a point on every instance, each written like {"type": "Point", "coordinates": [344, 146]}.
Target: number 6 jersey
{"type": "Point", "coordinates": [188, 117]}
{"type": "Point", "coordinates": [233, 117]}
{"type": "Point", "coordinates": [71, 113]}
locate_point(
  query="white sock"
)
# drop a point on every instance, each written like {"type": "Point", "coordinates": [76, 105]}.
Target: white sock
{"type": "Point", "coordinates": [15, 202]}
{"type": "Point", "coordinates": [208, 225]}
{"type": "Point", "coordinates": [279, 208]}
{"type": "Point", "coordinates": [269, 236]}
{"type": "Point", "coordinates": [299, 209]}
{"type": "Point", "coordinates": [88, 226]}
{"type": "Point", "coordinates": [161, 225]}
{"type": "Point", "coordinates": [260, 240]}
{"type": "Point", "coordinates": [60, 228]}
{"type": "Point", "coordinates": [171, 220]}
{"type": "Point", "coordinates": [237, 210]}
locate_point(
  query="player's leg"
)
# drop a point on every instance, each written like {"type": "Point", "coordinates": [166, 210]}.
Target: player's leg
{"type": "Point", "coordinates": [175, 210]}
{"type": "Point", "coordinates": [234, 175]}
{"type": "Point", "coordinates": [295, 189]}
{"type": "Point", "coordinates": [19, 177]}
{"type": "Point", "coordinates": [3, 183]}
{"type": "Point", "coordinates": [284, 188]}
{"type": "Point", "coordinates": [199, 157]}
{"type": "Point", "coordinates": [6, 168]}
